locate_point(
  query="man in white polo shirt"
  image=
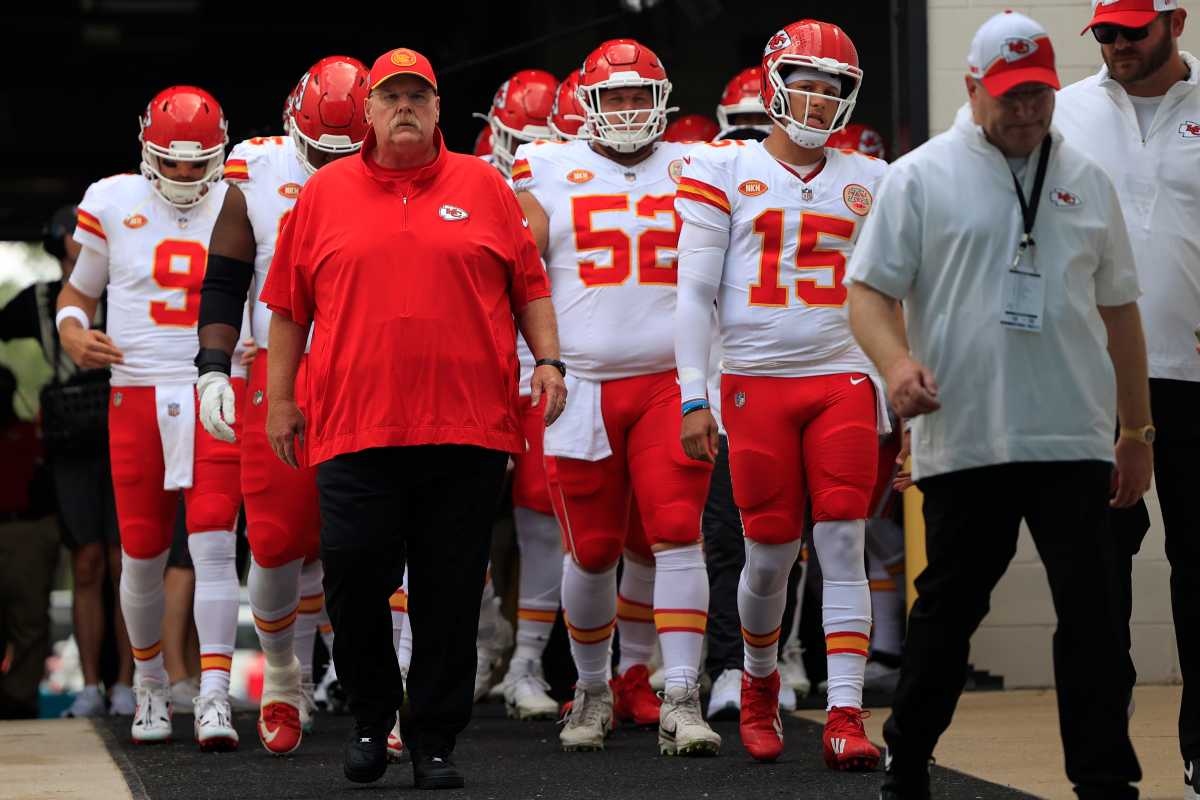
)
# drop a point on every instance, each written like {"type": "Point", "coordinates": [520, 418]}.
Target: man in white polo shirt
{"type": "Point", "coordinates": [1139, 118]}
{"type": "Point", "coordinates": [1009, 251]}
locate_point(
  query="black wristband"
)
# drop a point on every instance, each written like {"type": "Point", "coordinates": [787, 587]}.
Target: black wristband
{"type": "Point", "coordinates": [223, 295]}
{"type": "Point", "coordinates": [210, 359]}
{"type": "Point", "coordinates": [552, 362]}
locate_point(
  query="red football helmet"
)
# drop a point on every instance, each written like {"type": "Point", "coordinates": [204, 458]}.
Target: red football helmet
{"type": "Point", "coordinates": [183, 123]}
{"type": "Point", "coordinates": [566, 118]}
{"type": "Point", "coordinates": [616, 64]}
{"type": "Point", "coordinates": [287, 111]}
{"type": "Point", "coordinates": [810, 48]}
{"type": "Point", "coordinates": [862, 138]}
{"type": "Point", "coordinates": [483, 143]}
{"type": "Point", "coordinates": [691, 128]}
{"type": "Point", "coordinates": [742, 96]}
{"type": "Point", "coordinates": [520, 113]}
{"type": "Point", "coordinates": [329, 108]}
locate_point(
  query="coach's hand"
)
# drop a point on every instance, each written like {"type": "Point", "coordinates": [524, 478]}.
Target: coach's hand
{"type": "Point", "coordinates": [912, 389]}
{"type": "Point", "coordinates": [285, 424]}
{"type": "Point", "coordinates": [548, 384]}
{"type": "Point", "coordinates": [1135, 468]}
{"type": "Point", "coordinates": [218, 407]}
{"type": "Point", "coordinates": [699, 436]}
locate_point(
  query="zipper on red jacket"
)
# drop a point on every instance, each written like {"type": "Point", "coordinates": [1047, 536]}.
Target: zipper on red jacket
{"type": "Point", "coordinates": [404, 197]}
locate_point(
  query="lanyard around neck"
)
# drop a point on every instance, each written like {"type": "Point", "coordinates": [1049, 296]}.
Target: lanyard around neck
{"type": "Point", "coordinates": [1029, 208]}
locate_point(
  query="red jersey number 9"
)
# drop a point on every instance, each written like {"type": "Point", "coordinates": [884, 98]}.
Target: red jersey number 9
{"type": "Point", "coordinates": [179, 265]}
{"type": "Point", "coordinates": [651, 270]}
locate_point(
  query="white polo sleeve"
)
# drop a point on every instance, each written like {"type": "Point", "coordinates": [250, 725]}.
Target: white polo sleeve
{"type": "Point", "coordinates": [1116, 278]}
{"type": "Point", "coordinates": [888, 252]}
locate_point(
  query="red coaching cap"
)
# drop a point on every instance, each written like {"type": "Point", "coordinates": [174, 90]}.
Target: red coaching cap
{"type": "Point", "coordinates": [401, 61]}
{"type": "Point", "coordinates": [1128, 13]}
{"type": "Point", "coordinates": [1010, 49]}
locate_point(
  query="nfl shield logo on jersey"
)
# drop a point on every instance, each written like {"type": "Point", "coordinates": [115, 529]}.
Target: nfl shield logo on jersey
{"type": "Point", "coordinates": [173, 409]}
{"type": "Point", "coordinates": [739, 399]}
{"type": "Point", "coordinates": [258, 397]}
{"type": "Point", "coordinates": [806, 194]}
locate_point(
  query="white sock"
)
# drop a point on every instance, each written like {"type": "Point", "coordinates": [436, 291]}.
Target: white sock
{"type": "Point", "coordinates": [887, 607]}
{"type": "Point", "coordinates": [399, 605]}
{"type": "Point", "coordinates": [681, 612]}
{"type": "Point", "coordinates": [762, 595]}
{"type": "Point", "coordinates": [590, 606]}
{"type": "Point", "coordinates": [215, 606]}
{"type": "Point", "coordinates": [793, 633]}
{"type": "Point", "coordinates": [275, 600]}
{"type": "Point", "coordinates": [308, 615]}
{"type": "Point", "coordinates": [540, 585]}
{"type": "Point", "coordinates": [635, 614]}
{"type": "Point", "coordinates": [143, 603]}
{"type": "Point", "coordinates": [846, 608]}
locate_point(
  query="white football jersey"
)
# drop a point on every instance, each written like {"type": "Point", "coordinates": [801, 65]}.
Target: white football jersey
{"type": "Point", "coordinates": [156, 259]}
{"type": "Point", "coordinates": [268, 172]}
{"type": "Point", "coordinates": [781, 302]}
{"type": "Point", "coordinates": [611, 253]}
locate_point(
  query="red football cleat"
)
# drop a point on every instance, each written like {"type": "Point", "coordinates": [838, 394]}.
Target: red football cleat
{"type": "Point", "coordinates": [761, 728]}
{"type": "Point", "coordinates": [846, 744]}
{"type": "Point", "coordinates": [279, 728]}
{"type": "Point", "coordinates": [633, 699]}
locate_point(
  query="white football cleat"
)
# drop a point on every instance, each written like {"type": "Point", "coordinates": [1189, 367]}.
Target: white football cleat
{"type": "Point", "coordinates": [308, 709]}
{"type": "Point", "coordinates": [791, 669]}
{"type": "Point", "coordinates": [214, 723]}
{"type": "Point", "coordinates": [152, 714]}
{"type": "Point", "coordinates": [588, 721]}
{"type": "Point", "coordinates": [725, 702]}
{"type": "Point", "coordinates": [682, 730]}
{"type": "Point", "coordinates": [525, 690]}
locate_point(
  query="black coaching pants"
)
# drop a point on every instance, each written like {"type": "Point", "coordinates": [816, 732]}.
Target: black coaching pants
{"type": "Point", "coordinates": [1174, 406]}
{"type": "Point", "coordinates": [432, 506]}
{"type": "Point", "coordinates": [972, 518]}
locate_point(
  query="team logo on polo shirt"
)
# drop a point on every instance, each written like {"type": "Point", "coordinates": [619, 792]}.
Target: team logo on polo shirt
{"type": "Point", "coordinates": [675, 170]}
{"type": "Point", "coordinates": [290, 190]}
{"type": "Point", "coordinates": [752, 188]}
{"type": "Point", "coordinates": [580, 175]}
{"type": "Point", "coordinates": [1189, 129]}
{"type": "Point", "coordinates": [452, 213]}
{"type": "Point", "coordinates": [857, 198]}
{"type": "Point", "coordinates": [1017, 47]}
{"type": "Point", "coordinates": [1065, 199]}
{"type": "Point", "coordinates": [135, 221]}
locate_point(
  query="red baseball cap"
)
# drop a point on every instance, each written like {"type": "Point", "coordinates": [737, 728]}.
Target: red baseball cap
{"type": "Point", "coordinates": [1010, 49]}
{"type": "Point", "coordinates": [401, 61]}
{"type": "Point", "coordinates": [1127, 13]}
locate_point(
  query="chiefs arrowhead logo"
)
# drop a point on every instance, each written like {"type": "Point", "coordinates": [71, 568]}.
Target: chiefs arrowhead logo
{"type": "Point", "coordinates": [135, 221]}
{"type": "Point", "coordinates": [580, 176]}
{"type": "Point", "coordinates": [403, 57]}
{"type": "Point", "coordinates": [290, 190]}
{"type": "Point", "coordinates": [1189, 130]}
{"type": "Point", "coordinates": [752, 188]}
{"type": "Point", "coordinates": [452, 213]}
{"type": "Point", "coordinates": [1016, 48]}
{"type": "Point", "coordinates": [501, 96]}
{"type": "Point", "coordinates": [777, 42]}
{"type": "Point", "coordinates": [857, 198]}
{"type": "Point", "coordinates": [1065, 199]}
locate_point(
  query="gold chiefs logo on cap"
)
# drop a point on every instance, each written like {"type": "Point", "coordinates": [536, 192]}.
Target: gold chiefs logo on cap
{"type": "Point", "coordinates": [403, 57]}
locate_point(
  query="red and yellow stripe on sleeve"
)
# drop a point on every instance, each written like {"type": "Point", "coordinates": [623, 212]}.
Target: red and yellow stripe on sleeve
{"type": "Point", "coordinates": [680, 620]}
{"type": "Point", "coordinates": [701, 192]}
{"type": "Point", "coordinates": [90, 223]}
{"type": "Point", "coordinates": [399, 601]}
{"type": "Point", "coordinates": [236, 170]}
{"type": "Point", "coordinates": [847, 642]}
{"type": "Point", "coordinates": [521, 170]}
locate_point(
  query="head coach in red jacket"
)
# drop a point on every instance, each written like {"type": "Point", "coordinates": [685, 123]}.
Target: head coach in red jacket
{"type": "Point", "coordinates": [410, 264]}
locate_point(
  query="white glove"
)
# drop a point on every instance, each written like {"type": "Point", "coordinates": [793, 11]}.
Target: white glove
{"type": "Point", "coordinates": [217, 403]}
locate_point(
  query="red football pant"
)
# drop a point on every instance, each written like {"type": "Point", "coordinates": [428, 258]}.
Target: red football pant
{"type": "Point", "coordinates": [145, 510]}
{"type": "Point", "coordinates": [786, 431]}
{"type": "Point", "coordinates": [647, 474]}
{"type": "Point", "coordinates": [283, 519]}
{"type": "Point", "coordinates": [529, 489]}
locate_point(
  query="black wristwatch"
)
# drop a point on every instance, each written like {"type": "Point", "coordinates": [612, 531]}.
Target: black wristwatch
{"type": "Point", "coordinates": [552, 362]}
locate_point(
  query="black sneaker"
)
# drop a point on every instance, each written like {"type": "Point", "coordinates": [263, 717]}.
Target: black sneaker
{"type": "Point", "coordinates": [436, 772]}
{"type": "Point", "coordinates": [909, 785]}
{"type": "Point", "coordinates": [1191, 780]}
{"type": "Point", "coordinates": [366, 753]}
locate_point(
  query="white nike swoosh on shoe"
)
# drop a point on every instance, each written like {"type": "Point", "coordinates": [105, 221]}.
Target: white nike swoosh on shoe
{"type": "Point", "coordinates": [268, 735]}
{"type": "Point", "coordinates": [856, 381]}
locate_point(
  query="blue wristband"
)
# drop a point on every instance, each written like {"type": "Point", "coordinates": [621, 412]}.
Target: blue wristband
{"type": "Point", "coordinates": [694, 405]}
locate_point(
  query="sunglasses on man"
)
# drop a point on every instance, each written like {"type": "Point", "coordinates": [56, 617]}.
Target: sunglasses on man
{"type": "Point", "coordinates": [1106, 33]}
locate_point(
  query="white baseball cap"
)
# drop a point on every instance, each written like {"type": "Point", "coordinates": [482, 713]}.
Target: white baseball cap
{"type": "Point", "coordinates": [1128, 13]}
{"type": "Point", "coordinates": [1011, 49]}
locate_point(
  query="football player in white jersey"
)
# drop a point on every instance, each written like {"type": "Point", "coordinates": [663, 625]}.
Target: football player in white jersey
{"type": "Point", "coordinates": [767, 230]}
{"type": "Point", "coordinates": [145, 240]}
{"type": "Point", "coordinates": [602, 212]}
{"type": "Point", "coordinates": [265, 176]}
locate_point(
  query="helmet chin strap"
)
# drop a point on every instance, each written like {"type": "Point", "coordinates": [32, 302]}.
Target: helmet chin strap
{"type": "Point", "coordinates": [806, 138]}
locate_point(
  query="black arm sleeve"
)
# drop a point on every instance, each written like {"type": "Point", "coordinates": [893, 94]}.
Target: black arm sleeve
{"type": "Point", "coordinates": [226, 284]}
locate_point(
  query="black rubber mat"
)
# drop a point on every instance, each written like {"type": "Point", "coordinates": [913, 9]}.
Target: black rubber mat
{"type": "Point", "coordinates": [505, 760]}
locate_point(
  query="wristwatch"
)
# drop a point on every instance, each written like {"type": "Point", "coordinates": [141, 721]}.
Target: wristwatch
{"type": "Point", "coordinates": [1144, 434]}
{"type": "Point", "coordinates": [552, 362]}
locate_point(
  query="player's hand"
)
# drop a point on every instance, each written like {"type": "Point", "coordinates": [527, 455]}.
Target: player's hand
{"type": "Point", "coordinates": [1135, 468]}
{"type": "Point", "coordinates": [285, 424]}
{"type": "Point", "coordinates": [699, 436]}
{"type": "Point", "coordinates": [912, 389]}
{"type": "Point", "coordinates": [249, 351]}
{"type": "Point", "coordinates": [548, 384]}
{"type": "Point", "coordinates": [903, 478]}
{"type": "Point", "coordinates": [218, 407]}
{"type": "Point", "coordinates": [89, 349]}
